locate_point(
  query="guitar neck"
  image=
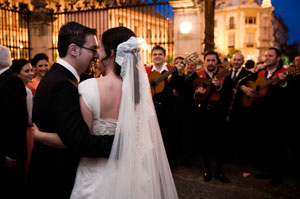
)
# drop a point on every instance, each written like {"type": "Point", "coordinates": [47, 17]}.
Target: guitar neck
{"type": "Point", "coordinates": [267, 83]}
{"type": "Point", "coordinates": [270, 81]}
{"type": "Point", "coordinates": [165, 75]}
{"type": "Point", "coordinates": [222, 74]}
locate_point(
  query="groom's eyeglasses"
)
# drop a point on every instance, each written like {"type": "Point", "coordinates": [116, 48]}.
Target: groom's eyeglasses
{"type": "Point", "coordinates": [94, 49]}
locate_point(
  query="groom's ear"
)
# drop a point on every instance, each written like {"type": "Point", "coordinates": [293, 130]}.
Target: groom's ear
{"type": "Point", "coordinates": [73, 49]}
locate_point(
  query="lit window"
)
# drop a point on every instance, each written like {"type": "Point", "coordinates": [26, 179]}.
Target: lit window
{"type": "Point", "coordinates": [250, 39]}
{"type": "Point", "coordinates": [250, 20]}
{"type": "Point", "coordinates": [231, 40]}
{"type": "Point", "coordinates": [231, 23]}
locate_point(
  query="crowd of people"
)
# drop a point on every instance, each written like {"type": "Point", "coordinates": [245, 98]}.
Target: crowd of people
{"type": "Point", "coordinates": [133, 123]}
{"type": "Point", "coordinates": [234, 113]}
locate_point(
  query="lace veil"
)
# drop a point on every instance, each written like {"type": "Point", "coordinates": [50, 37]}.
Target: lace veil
{"type": "Point", "coordinates": [138, 159]}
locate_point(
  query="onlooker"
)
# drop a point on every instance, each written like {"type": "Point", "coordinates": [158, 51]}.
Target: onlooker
{"type": "Point", "coordinates": [259, 65]}
{"type": "Point", "coordinates": [236, 114]}
{"type": "Point", "coordinates": [224, 63]}
{"type": "Point", "coordinates": [294, 108]}
{"type": "Point", "coordinates": [179, 138]}
{"type": "Point", "coordinates": [297, 60]}
{"type": "Point", "coordinates": [250, 65]}
{"type": "Point", "coordinates": [13, 123]}
{"type": "Point", "coordinates": [41, 64]}
{"type": "Point", "coordinates": [23, 69]}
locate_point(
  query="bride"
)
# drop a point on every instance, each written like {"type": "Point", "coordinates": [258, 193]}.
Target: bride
{"type": "Point", "coordinates": [120, 103]}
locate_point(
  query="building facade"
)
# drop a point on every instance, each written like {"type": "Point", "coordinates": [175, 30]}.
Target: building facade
{"type": "Point", "coordinates": [150, 20]}
{"type": "Point", "coordinates": [248, 26]}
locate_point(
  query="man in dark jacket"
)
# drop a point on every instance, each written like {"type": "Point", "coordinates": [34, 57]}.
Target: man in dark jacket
{"type": "Point", "coordinates": [13, 124]}
{"type": "Point", "coordinates": [56, 109]}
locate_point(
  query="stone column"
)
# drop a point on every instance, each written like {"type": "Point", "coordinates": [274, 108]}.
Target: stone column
{"type": "Point", "coordinates": [188, 11]}
{"type": "Point", "coordinates": [209, 24]}
{"type": "Point", "coordinates": [266, 39]}
{"type": "Point", "coordinates": [40, 29]}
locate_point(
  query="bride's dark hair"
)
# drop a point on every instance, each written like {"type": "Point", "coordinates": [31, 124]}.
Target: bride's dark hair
{"type": "Point", "coordinates": [111, 38]}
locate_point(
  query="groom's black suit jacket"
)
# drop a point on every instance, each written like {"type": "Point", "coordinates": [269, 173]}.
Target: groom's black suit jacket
{"type": "Point", "coordinates": [56, 109]}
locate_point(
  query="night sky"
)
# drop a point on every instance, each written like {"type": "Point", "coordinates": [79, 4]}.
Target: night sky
{"type": "Point", "coordinates": [289, 11]}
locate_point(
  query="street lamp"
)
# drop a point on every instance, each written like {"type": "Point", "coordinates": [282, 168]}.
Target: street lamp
{"type": "Point", "coordinates": [185, 27]}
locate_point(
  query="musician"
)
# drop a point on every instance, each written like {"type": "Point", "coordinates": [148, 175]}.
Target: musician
{"type": "Point", "coordinates": [259, 65]}
{"type": "Point", "coordinates": [182, 118]}
{"type": "Point", "coordinates": [211, 117]}
{"type": "Point", "coordinates": [192, 109]}
{"type": "Point", "coordinates": [270, 111]}
{"type": "Point", "coordinates": [163, 100]}
{"type": "Point", "coordinates": [297, 60]}
{"type": "Point", "coordinates": [237, 115]}
{"type": "Point", "coordinates": [294, 107]}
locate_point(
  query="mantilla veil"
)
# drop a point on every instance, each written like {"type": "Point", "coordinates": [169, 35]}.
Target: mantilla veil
{"type": "Point", "coordinates": [138, 159]}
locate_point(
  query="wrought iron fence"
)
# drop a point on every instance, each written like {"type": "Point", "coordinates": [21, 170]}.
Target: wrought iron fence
{"type": "Point", "coordinates": [151, 20]}
{"type": "Point", "coordinates": [14, 23]}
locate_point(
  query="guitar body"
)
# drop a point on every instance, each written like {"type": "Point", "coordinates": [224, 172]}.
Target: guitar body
{"type": "Point", "coordinates": [155, 88]}
{"type": "Point", "coordinates": [261, 85]}
{"type": "Point", "coordinates": [255, 85]}
{"type": "Point", "coordinates": [156, 79]}
{"type": "Point", "coordinates": [205, 83]}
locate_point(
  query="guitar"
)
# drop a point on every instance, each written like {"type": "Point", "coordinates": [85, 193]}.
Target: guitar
{"type": "Point", "coordinates": [206, 83]}
{"type": "Point", "coordinates": [156, 79]}
{"type": "Point", "coordinates": [260, 86]}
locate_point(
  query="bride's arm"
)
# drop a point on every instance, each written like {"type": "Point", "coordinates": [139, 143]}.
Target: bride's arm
{"type": "Point", "coordinates": [86, 113]}
{"type": "Point", "coordinates": [50, 139]}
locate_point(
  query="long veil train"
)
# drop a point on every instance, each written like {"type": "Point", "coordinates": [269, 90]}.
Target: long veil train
{"type": "Point", "coordinates": [137, 167]}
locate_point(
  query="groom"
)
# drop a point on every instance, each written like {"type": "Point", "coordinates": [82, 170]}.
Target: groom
{"type": "Point", "coordinates": [56, 109]}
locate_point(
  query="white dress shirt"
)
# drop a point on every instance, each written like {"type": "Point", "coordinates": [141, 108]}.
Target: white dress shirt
{"type": "Point", "coordinates": [69, 67]}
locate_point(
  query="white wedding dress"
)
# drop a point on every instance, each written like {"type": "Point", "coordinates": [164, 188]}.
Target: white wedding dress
{"type": "Point", "coordinates": [90, 170]}
{"type": "Point", "coordinates": [137, 167]}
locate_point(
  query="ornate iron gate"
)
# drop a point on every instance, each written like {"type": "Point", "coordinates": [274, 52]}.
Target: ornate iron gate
{"type": "Point", "coordinates": [149, 19]}
{"type": "Point", "coordinates": [14, 23]}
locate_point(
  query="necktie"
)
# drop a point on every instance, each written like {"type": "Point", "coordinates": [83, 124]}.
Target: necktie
{"type": "Point", "coordinates": [234, 75]}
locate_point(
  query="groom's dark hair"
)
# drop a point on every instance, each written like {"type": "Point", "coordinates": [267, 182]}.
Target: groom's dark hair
{"type": "Point", "coordinates": [111, 38]}
{"type": "Point", "coordinates": [72, 32]}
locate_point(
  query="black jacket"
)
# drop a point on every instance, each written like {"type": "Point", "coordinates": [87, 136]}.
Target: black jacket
{"type": "Point", "coordinates": [56, 109]}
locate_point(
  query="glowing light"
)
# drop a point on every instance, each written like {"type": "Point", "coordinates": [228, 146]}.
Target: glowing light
{"type": "Point", "coordinates": [249, 56]}
{"type": "Point", "coordinates": [21, 46]}
{"type": "Point", "coordinates": [145, 46]}
{"type": "Point", "coordinates": [185, 27]}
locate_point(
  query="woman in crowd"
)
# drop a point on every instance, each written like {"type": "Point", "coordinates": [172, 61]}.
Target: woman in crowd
{"type": "Point", "coordinates": [24, 70]}
{"type": "Point", "coordinates": [41, 64]}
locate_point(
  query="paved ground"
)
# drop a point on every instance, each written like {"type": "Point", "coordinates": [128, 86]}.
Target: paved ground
{"type": "Point", "coordinates": [190, 184]}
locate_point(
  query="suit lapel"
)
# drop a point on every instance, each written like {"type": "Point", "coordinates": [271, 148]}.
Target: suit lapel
{"type": "Point", "coordinates": [67, 73]}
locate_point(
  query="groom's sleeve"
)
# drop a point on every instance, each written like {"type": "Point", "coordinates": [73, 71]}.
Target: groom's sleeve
{"type": "Point", "coordinates": [72, 129]}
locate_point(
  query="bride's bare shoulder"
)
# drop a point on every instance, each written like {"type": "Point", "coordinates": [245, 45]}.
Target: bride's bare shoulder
{"type": "Point", "coordinates": [109, 82]}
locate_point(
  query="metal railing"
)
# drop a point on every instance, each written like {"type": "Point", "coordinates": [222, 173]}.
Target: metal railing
{"type": "Point", "coordinates": [151, 20]}
{"type": "Point", "coordinates": [14, 23]}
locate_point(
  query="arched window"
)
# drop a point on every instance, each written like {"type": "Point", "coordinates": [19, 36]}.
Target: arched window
{"type": "Point", "coordinates": [231, 40]}
{"type": "Point", "coordinates": [231, 23]}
